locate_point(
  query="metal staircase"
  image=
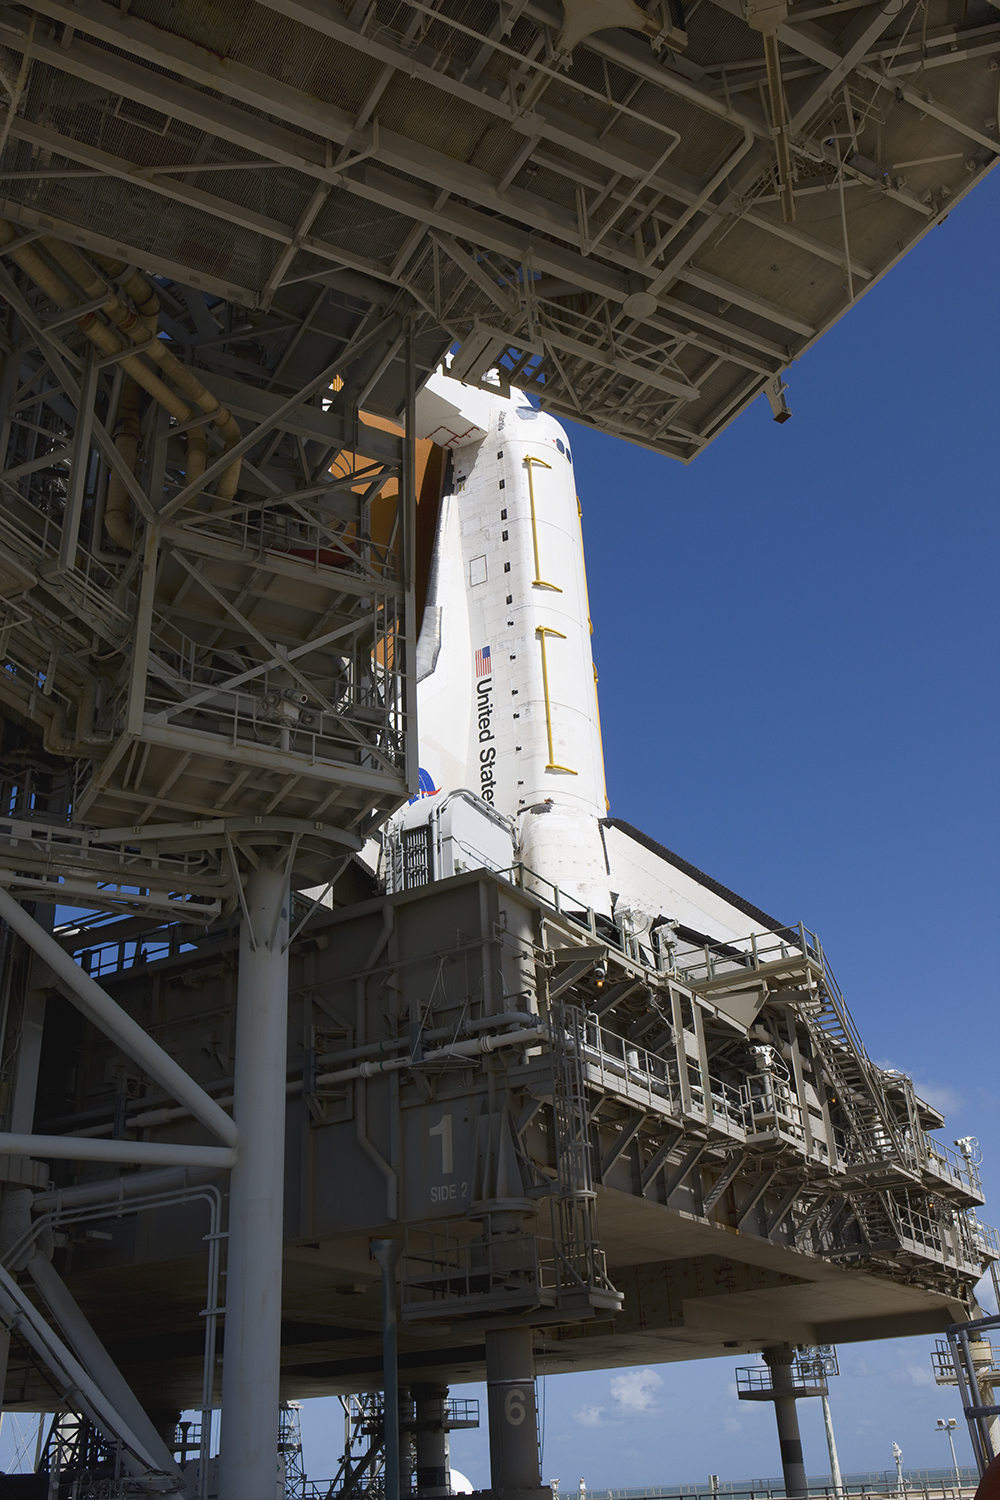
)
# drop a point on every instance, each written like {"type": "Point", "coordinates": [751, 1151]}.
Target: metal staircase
{"type": "Point", "coordinates": [878, 1151]}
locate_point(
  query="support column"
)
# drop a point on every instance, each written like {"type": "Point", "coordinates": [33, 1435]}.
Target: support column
{"type": "Point", "coordinates": [248, 1457]}
{"type": "Point", "coordinates": [387, 1253]}
{"type": "Point", "coordinates": [430, 1413]}
{"type": "Point", "coordinates": [779, 1362]}
{"type": "Point", "coordinates": [831, 1443]}
{"type": "Point", "coordinates": [513, 1414]}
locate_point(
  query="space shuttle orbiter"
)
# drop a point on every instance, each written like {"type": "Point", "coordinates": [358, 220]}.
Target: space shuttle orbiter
{"type": "Point", "coordinates": [508, 722]}
{"type": "Point", "coordinates": [507, 691]}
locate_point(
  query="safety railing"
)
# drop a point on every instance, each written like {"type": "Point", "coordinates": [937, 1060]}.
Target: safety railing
{"type": "Point", "coordinates": [920, 1484]}
{"type": "Point", "coordinates": [365, 730]}
{"type": "Point", "coordinates": [320, 540]}
{"type": "Point", "coordinates": [461, 1412]}
{"type": "Point", "coordinates": [747, 955]}
{"type": "Point", "coordinates": [728, 1103]}
{"type": "Point", "coordinates": [944, 1234]}
{"type": "Point", "coordinates": [525, 879]}
{"type": "Point", "coordinates": [754, 1382]}
{"type": "Point", "coordinates": [772, 1106]}
{"type": "Point", "coordinates": [947, 1164]}
{"type": "Point", "coordinates": [980, 1241]}
{"type": "Point", "coordinates": [444, 1274]}
{"type": "Point", "coordinates": [984, 1358]}
{"type": "Point", "coordinates": [617, 1065]}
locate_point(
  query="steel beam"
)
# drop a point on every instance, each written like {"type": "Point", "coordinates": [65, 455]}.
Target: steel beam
{"type": "Point", "coordinates": [99, 1008]}
{"type": "Point", "coordinates": [630, 1129]}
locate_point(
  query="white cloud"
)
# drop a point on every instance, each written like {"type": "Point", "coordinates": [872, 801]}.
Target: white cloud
{"type": "Point", "coordinates": [590, 1416]}
{"type": "Point", "coordinates": [948, 1101]}
{"type": "Point", "coordinates": [635, 1390]}
{"type": "Point", "coordinates": [730, 1424]}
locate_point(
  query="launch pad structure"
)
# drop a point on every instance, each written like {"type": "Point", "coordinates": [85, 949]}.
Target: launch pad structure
{"type": "Point", "coordinates": [277, 1125]}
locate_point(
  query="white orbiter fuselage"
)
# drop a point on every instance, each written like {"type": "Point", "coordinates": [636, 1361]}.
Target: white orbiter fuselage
{"type": "Point", "coordinates": [507, 698]}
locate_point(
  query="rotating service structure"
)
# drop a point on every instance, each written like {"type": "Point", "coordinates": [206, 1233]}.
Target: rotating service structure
{"type": "Point", "coordinates": [643, 214]}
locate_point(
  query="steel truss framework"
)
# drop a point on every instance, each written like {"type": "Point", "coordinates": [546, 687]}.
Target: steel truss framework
{"type": "Point", "coordinates": [208, 638]}
{"type": "Point", "coordinates": [643, 225]}
{"type": "Point", "coordinates": [192, 652]}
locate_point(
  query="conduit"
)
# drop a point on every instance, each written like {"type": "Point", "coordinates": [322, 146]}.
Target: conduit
{"type": "Point", "coordinates": [374, 1068]}
{"type": "Point", "coordinates": [361, 1094]}
{"type": "Point", "coordinates": [477, 1048]}
{"type": "Point", "coordinates": [165, 1179]}
{"type": "Point", "coordinates": [128, 1152]}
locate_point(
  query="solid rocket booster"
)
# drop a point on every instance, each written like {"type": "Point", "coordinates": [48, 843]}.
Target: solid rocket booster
{"type": "Point", "coordinates": [507, 690]}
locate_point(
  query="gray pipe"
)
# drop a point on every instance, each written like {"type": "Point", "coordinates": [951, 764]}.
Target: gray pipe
{"type": "Point", "coordinates": [136, 1184]}
{"type": "Point", "coordinates": [85, 1148]}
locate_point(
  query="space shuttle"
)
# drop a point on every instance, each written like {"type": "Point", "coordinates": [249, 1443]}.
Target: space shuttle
{"type": "Point", "coordinates": [509, 729]}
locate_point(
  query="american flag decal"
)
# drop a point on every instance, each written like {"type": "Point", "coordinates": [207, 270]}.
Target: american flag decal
{"type": "Point", "coordinates": [484, 666]}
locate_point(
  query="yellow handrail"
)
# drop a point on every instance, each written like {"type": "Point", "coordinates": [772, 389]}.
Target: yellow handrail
{"type": "Point", "coordinates": [541, 631]}
{"type": "Point", "coordinates": [538, 582]}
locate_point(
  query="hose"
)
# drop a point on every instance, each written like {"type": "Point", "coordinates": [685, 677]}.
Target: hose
{"type": "Point", "coordinates": [140, 327]}
{"type": "Point", "coordinates": [137, 287]}
{"type": "Point", "coordinates": [108, 342]}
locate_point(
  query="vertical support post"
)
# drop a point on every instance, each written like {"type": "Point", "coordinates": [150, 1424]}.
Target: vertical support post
{"type": "Point", "coordinates": [21, 1119]}
{"type": "Point", "coordinates": [513, 1413]}
{"type": "Point", "coordinates": [9, 373]}
{"type": "Point", "coordinates": [248, 1452]}
{"type": "Point", "coordinates": [387, 1253]}
{"type": "Point", "coordinates": [831, 1443]}
{"type": "Point", "coordinates": [779, 1362]}
{"type": "Point", "coordinates": [408, 550]}
{"type": "Point", "coordinates": [81, 460]}
{"type": "Point", "coordinates": [142, 631]}
{"type": "Point", "coordinates": [430, 1416]}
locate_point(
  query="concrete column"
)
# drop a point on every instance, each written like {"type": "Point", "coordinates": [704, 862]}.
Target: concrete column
{"type": "Point", "coordinates": [248, 1456]}
{"type": "Point", "coordinates": [513, 1416]}
{"type": "Point", "coordinates": [779, 1362]}
{"type": "Point", "coordinates": [430, 1411]}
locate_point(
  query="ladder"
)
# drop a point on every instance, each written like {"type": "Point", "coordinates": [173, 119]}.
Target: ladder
{"type": "Point", "coordinates": [579, 1257]}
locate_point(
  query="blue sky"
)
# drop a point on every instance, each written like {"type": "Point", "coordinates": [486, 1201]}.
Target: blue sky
{"type": "Point", "coordinates": [797, 645]}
